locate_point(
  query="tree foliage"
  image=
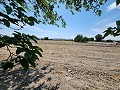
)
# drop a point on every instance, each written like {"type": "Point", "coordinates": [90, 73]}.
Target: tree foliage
{"type": "Point", "coordinates": [98, 37]}
{"type": "Point", "coordinates": [84, 39]}
{"type": "Point", "coordinates": [81, 38]}
{"type": "Point", "coordinates": [42, 11]}
{"type": "Point", "coordinates": [109, 40]}
{"type": "Point", "coordinates": [26, 54]}
{"type": "Point", "coordinates": [78, 38]}
{"type": "Point", "coordinates": [114, 31]}
{"type": "Point", "coordinates": [46, 38]}
{"type": "Point", "coordinates": [91, 39]}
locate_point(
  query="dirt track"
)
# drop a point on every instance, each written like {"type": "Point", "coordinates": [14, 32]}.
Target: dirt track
{"type": "Point", "coordinates": [73, 66]}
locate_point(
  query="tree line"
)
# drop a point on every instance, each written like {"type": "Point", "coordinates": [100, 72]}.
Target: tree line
{"type": "Point", "coordinates": [84, 39]}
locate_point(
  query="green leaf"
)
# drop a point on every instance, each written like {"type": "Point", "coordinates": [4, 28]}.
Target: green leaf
{"type": "Point", "coordinates": [7, 65]}
{"type": "Point", "coordinates": [8, 9]}
{"type": "Point", "coordinates": [34, 38]}
{"type": "Point", "coordinates": [21, 9]}
{"type": "Point", "coordinates": [32, 19]}
{"type": "Point", "coordinates": [24, 64]}
{"type": "Point", "coordinates": [35, 56]}
{"type": "Point", "coordinates": [19, 50]}
{"type": "Point", "coordinates": [25, 19]}
{"type": "Point", "coordinates": [1, 45]}
{"type": "Point", "coordinates": [40, 49]}
{"type": "Point", "coordinates": [4, 66]}
{"type": "Point", "coordinates": [21, 2]}
{"type": "Point", "coordinates": [31, 23]}
{"type": "Point", "coordinates": [32, 63]}
{"type": "Point", "coordinates": [117, 2]}
{"type": "Point", "coordinates": [27, 55]}
{"type": "Point", "coordinates": [37, 48]}
{"type": "Point", "coordinates": [7, 23]}
{"type": "Point", "coordinates": [29, 44]}
{"type": "Point", "coordinates": [36, 51]}
{"type": "Point", "coordinates": [118, 23]}
{"type": "Point", "coordinates": [107, 32]}
{"type": "Point", "coordinates": [45, 3]}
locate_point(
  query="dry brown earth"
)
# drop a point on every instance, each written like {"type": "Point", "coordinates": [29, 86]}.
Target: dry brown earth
{"type": "Point", "coordinates": [73, 66]}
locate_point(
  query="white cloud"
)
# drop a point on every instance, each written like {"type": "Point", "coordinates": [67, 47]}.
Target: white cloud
{"type": "Point", "coordinates": [36, 28]}
{"type": "Point", "coordinates": [112, 37]}
{"type": "Point", "coordinates": [32, 30]}
{"type": "Point", "coordinates": [102, 21]}
{"type": "Point", "coordinates": [103, 27]}
{"type": "Point", "coordinates": [99, 30]}
{"type": "Point", "coordinates": [112, 7]}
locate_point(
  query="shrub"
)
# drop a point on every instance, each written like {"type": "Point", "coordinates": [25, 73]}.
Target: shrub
{"type": "Point", "coordinates": [91, 39]}
{"type": "Point", "coordinates": [78, 38]}
{"type": "Point", "coordinates": [46, 38]}
{"type": "Point", "coordinates": [84, 40]}
{"type": "Point", "coordinates": [109, 40]}
{"type": "Point", "coordinates": [98, 37]}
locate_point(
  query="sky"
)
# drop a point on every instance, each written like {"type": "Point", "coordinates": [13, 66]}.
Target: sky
{"type": "Point", "coordinates": [85, 23]}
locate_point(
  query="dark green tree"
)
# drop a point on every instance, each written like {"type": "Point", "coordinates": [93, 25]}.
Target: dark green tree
{"type": "Point", "coordinates": [46, 38]}
{"type": "Point", "coordinates": [109, 40]}
{"type": "Point", "coordinates": [84, 39]}
{"type": "Point", "coordinates": [91, 39]}
{"type": "Point", "coordinates": [78, 38]}
{"type": "Point", "coordinates": [98, 37]}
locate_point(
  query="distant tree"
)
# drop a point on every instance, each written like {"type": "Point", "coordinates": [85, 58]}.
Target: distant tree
{"type": "Point", "coordinates": [84, 40]}
{"type": "Point", "coordinates": [78, 38]}
{"type": "Point", "coordinates": [98, 37]}
{"type": "Point", "coordinates": [91, 39]}
{"type": "Point", "coordinates": [46, 38]}
{"type": "Point", "coordinates": [109, 40]}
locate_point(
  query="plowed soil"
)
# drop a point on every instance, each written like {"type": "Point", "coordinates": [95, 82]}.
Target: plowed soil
{"type": "Point", "coordinates": [67, 65]}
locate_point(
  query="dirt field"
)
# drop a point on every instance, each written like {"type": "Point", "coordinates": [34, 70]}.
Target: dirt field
{"type": "Point", "coordinates": [67, 65]}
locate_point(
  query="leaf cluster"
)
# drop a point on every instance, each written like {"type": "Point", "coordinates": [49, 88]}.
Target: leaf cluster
{"type": "Point", "coordinates": [114, 31]}
{"type": "Point", "coordinates": [42, 11]}
{"type": "Point", "coordinates": [26, 54]}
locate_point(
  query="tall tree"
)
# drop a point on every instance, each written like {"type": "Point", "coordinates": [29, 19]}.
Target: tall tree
{"type": "Point", "coordinates": [98, 37]}
{"type": "Point", "coordinates": [78, 38]}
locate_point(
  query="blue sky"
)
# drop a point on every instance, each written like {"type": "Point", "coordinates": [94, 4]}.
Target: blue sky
{"type": "Point", "coordinates": [86, 23]}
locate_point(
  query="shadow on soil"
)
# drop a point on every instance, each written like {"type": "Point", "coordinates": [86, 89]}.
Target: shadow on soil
{"type": "Point", "coordinates": [18, 79]}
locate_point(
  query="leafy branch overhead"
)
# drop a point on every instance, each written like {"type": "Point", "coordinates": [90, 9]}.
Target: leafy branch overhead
{"type": "Point", "coordinates": [114, 31]}
{"type": "Point", "coordinates": [26, 54]}
{"type": "Point", "coordinates": [42, 11]}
